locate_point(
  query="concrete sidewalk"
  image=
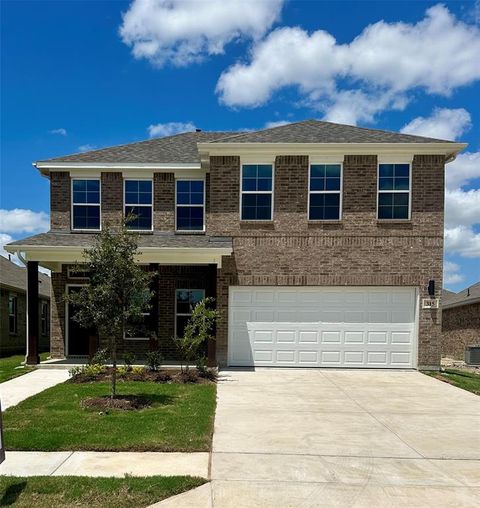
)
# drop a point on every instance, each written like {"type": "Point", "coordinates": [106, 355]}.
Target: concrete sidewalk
{"type": "Point", "coordinates": [104, 464]}
{"type": "Point", "coordinates": [20, 388]}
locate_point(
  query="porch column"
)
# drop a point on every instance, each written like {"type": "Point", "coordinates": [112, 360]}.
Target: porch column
{"type": "Point", "coordinates": [211, 291]}
{"type": "Point", "coordinates": [32, 313]}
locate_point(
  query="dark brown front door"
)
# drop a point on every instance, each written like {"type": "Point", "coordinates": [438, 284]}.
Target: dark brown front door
{"type": "Point", "coordinates": [78, 337]}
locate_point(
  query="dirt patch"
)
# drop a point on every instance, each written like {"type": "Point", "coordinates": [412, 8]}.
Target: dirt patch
{"type": "Point", "coordinates": [124, 402]}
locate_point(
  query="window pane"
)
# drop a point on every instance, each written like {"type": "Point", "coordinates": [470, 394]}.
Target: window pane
{"type": "Point", "coordinates": [190, 192]}
{"type": "Point", "coordinates": [86, 217]}
{"type": "Point", "coordinates": [400, 199]}
{"type": "Point", "coordinates": [190, 218]}
{"type": "Point", "coordinates": [317, 184]}
{"type": "Point", "coordinates": [264, 171]}
{"type": "Point", "coordinates": [181, 324]}
{"type": "Point", "coordinates": [324, 207]}
{"type": "Point", "coordinates": [400, 212]}
{"type": "Point", "coordinates": [183, 186]}
{"type": "Point", "coordinates": [196, 186]}
{"type": "Point", "coordinates": [333, 184]}
{"type": "Point", "coordinates": [86, 191]}
{"type": "Point", "coordinates": [385, 212]}
{"type": "Point", "coordinates": [145, 186]}
{"type": "Point", "coordinates": [249, 171]}
{"type": "Point", "coordinates": [143, 217]}
{"type": "Point", "coordinates": [264, 184]}
{"type": "Point", "coordinates": [401, 183]}
{"type": "Point", "coordinates": [385, 184]}
{"type": "Point", "coordinates": [317, 171]}
{"type": "Point", "coordinates": [393, 205]}
{"type": "Point", "coordinates": [138, 192]}
{"type": "Point", "coordinates": [402, 170]}
{"type": "Point", "coordinates": [385, 199]}
{"type": "Point", "coordinates": [187, 299]}
{"type": "Point", "coordinates": [131, 186]}
{"type": "Point", "coordinates": [79, 185]}
{"type": "Point", "coordinates": [332, 170]}
{"type": "Point", "coordinates": [256, 206]}
{"type": "Point", "coordinates": [385, 170]}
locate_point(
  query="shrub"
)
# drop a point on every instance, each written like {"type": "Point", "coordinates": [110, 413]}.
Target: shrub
{"type": "Point", "coordinates": [101, 357]}
{"type": "Point", "coordinates": [87, 372]}
{"type": "Point", "coordinates": [123, 370]}
{"type": "Point", "coordinates": [138, 374]}
{"type": "Point", "coordinates": [129, 359]}
{"type": "Point", "coordinates": [204, 371]}
{"type": "Point", "coordinates": [154, 360]}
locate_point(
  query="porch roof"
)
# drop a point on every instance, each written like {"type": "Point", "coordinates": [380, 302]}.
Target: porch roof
{"type": "Point", "coordinates": [56, 247]}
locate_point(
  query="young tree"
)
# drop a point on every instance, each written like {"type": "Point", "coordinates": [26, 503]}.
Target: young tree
{"type": "Point", "coordinates": [197, 332]}
{"type": "Point", "coordinates": [118, 292]}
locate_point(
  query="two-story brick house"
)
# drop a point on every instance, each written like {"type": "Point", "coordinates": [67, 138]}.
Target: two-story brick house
{"type": "Point", "coordinates": [317, 240]}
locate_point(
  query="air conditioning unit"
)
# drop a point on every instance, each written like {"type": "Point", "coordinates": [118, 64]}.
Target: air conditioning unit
{"type": "Point", "coordinates": [472, 355]}
{"type": "Point", "coordinates": [430, 303]}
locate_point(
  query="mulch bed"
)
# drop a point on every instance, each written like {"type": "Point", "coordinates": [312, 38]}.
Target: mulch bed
{"type": "Point", "coordinates": [161, 376]}
{"type": "Point", "coordinates": [125, 402]}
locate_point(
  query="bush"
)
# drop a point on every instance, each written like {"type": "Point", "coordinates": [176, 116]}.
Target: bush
{"type": "Point", "coordinates": [138, 374]}
{"type": "Point", "coordinates": [101, 357]}
{"type": "Point", "coordinates": [187, 376]}
{"type": "Point", "coordinates": [123, 370]}
{"type": "Point", "coordinates": [87, 372]}
{"type": "Point", "coordinates": [129, 360]}
{"type": "Point", "coordinates": [154, 360]}
{"type": "Point", "coordinates": [204, 371]}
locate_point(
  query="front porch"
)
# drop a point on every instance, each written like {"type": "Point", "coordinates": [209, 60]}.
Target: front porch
{"type": "Point", "coordinates": [186, 269]}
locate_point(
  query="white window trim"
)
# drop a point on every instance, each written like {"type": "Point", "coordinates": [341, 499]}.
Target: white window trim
{"type": "Point", "coordinates": [197, 206]}
{"type": "Point", "coordinates": [125, 204]}
{"type": "Point", "coordinates": [310, 192]}
{"type": "Point", "coordinates": [409, 192]}
{"type": "Point", "coordinates": [184, 313]}
{"type": "Point", "coordinates": [14, 296]}
{"type": "Point", "coordinates": [71, 271]}
{"type": "Point", "coordinates": [271, 192]}
{"type": "Point", "coordinates": [73, 204]}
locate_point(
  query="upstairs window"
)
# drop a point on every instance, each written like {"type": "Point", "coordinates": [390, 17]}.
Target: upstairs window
{"type": "Point", "coordinates": [86, 204]}
{"type": "Point", "coordinates": [139, 204]}
{"type": "Point", "coordinates": [394, 191]}
{"type": "Point", "coordinates": [190, 205]}
{"type": "Point", "coordinates": [325, 194]}
{"type": "Point", "coordinates": [257, 192]}
{"type": "Point", "coordinates": [12, 313]}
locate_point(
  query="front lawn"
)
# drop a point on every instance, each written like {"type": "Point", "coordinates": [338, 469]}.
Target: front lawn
{"type": "Point", "coordinates": [8, 366]}
{"type": "Point", "coordinates": [179, 419]}
{"type": "Point", "coordinates": [84, 492]}
{"type": "Point", "coordinates": [462, 379]}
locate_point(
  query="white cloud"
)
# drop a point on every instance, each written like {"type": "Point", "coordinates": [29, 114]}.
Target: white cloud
{"type": "Point", "coordinates": [442, 124]}
{"type": "Point", "coordinates": [20, 220]}
{"type": "Point", "coordinates": [463, 241]}
{"type": "Point", "coordinates": [462, 208]}
{"type": "Point", "coordinates": [61, 131]}
{"type": "Point", "coordinates": [4, 239]}
{"type": "Point", "coordinates": [352, 82]}
{"type": "Point", "coordinates": [276, 123]}
{"type": "Point", "coordinates": [451, 273]}
{"type": "Point", "coordinates": [160, 130]}
{"type": "Point", "coordinates": [464, 169]}
{"type": "Point", "coordinates": [86, 148]}
{"type": "Point", "coordinates": [186, 31]}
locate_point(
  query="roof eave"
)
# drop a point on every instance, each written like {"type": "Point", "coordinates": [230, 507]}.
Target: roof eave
{"type": "Point", "coordinates": [448, 149]}
{"type": "Point", "coordinates": [461, 303]}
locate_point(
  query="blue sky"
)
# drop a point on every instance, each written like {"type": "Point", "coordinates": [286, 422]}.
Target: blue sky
{"type": "Point", "coordinates": [77, 74]}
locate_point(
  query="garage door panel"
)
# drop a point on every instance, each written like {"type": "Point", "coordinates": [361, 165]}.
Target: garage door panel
{"type": "Point", "coordinates": [286, 333]}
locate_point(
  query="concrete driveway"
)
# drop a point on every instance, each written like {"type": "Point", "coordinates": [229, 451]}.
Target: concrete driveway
{"type": "Point", "coordinates": [323, 438]}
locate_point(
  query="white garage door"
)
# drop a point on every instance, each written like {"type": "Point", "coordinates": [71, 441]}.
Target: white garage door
{"type": "Point", "coordinates": [322, 327]}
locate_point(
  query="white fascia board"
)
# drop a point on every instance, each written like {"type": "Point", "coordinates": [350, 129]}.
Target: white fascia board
{"type": "Point", "coordinates": [318, 149]}
{"type": "Point", "coordinates": [167, 255]}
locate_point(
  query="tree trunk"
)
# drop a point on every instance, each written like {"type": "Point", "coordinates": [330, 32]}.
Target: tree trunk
{"type": "Point", "coordinates": [114, 371]}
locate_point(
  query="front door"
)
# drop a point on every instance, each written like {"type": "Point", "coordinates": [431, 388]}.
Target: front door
{"type": "Point", "coordinates": [78, 337]}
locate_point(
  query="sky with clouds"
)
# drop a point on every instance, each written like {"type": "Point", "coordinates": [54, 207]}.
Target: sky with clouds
{"type": "Point", "coordinates": [90, 74]}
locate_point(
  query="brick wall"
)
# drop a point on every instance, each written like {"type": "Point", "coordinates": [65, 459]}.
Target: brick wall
{"type": "Point", "coordinates": [169, 279]}
{"type": "Point", "coordinates": [164, 201]}
{"type": "Point", "coordinates": [112, 198]}
{"type": "Point", "coordinates": [60, 200]}
{"type": "Point", "coordinates": [359, 250]}
{"type": "Point", "coordinates": [460, 328]}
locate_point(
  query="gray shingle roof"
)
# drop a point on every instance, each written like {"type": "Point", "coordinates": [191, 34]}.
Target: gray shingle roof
{"type": "Point", "coordinates": [182, 148]}
{"type": "Point", "coordinates": [465, 297]}
{"type": "Point", "coordinates": [157, 239]}
{"type": "Point", "coordinates": [315, 131]}
{"type": "Point", "coordinates": [177, 149]}
{"type": "Point", "coordinates": [15, 276]}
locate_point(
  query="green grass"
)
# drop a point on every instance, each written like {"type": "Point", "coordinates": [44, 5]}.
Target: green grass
{"type": "Point", "coordinates": [461, 379]}
{"type": "Point", "coordinates": [78, 491]}
{"type": "Point", "coordinates": [8, 366]}
{"type": "Point", "coordinates": [180, 419]}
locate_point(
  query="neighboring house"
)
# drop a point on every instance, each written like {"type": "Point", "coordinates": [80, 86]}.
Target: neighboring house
{"type": "Point", "coordinates": [460, 321]}
{"type": "Point", "coordinates": [318, 241]}
{"type": "Point", "coordinates": [13, 309]}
